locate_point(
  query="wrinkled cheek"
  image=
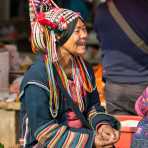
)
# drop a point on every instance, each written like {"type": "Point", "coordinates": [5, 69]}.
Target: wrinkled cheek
{"type": "Point", "coordinates": [75, 48]}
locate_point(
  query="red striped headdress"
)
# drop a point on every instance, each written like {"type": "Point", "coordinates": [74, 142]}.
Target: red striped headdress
{"type": "Point", "coordinates": [46, 19]}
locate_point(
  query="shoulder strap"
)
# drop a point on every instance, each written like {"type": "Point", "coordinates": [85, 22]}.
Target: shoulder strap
{"type": "Point", "coordinates": [132, 35]}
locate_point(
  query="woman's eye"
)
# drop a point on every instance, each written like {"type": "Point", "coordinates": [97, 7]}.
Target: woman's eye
{"type": "Point", "coordinates": [84, 30]}
{"type": "Point", "coordinates": [76, 31]}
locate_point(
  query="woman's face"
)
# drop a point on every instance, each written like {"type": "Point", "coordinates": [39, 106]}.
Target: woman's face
{"type": "Point", "coordinates": [76, 44]}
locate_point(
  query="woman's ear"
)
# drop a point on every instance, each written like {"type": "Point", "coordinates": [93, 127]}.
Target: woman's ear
{"type": "Point", "coordinates": [58, 36]}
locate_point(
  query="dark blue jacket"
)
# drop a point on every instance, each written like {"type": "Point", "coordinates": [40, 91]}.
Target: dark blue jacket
{"type": "Point", "coordinates": [39, 126]}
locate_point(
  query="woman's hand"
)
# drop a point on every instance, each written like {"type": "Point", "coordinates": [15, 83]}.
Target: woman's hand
{"type": "Point", "coordinates": [106, 136]}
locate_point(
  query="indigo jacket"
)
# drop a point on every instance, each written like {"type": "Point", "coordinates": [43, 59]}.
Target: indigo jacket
{"type": "Point", "coordinates": [37, 124]}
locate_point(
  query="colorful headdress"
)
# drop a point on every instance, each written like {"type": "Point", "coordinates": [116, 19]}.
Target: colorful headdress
{"type": "Point", "coordinates": [47, 19]}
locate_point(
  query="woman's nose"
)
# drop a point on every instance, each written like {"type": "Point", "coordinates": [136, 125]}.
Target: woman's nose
{"type": "Point", "coordinates": [84, 34]}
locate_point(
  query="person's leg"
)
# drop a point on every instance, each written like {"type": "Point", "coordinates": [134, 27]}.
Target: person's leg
{"type": "Point", "coordinates": [120, 98]}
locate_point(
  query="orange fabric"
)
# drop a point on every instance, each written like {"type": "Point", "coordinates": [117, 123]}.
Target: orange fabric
{"type": "Point", "coordinates": [98, 71]}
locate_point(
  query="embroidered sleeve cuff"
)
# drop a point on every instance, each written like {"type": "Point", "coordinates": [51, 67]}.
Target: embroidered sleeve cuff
{"type": "Point", "coordinates": [101, 118]}
{"type": "Point", "coordinates": [99, 124]}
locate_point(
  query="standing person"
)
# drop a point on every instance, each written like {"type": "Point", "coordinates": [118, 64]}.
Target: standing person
{"type": "Point", "coordinates": [125, 61]}
{"type": "Point", "coordinates": [141, 135]}
{"type": "Point", "coordinates": [59, 99]}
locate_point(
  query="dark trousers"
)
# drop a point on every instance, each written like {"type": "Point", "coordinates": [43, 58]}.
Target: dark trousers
{"type": "Point", "coordinates": [120, 98]}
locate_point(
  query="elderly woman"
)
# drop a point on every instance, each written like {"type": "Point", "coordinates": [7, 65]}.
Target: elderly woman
{"type": "Point", "coordinates": [59, 99]}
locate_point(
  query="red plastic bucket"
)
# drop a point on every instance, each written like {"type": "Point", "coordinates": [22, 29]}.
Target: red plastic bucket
{"type": "Point", "coordinates": [127, 130]}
